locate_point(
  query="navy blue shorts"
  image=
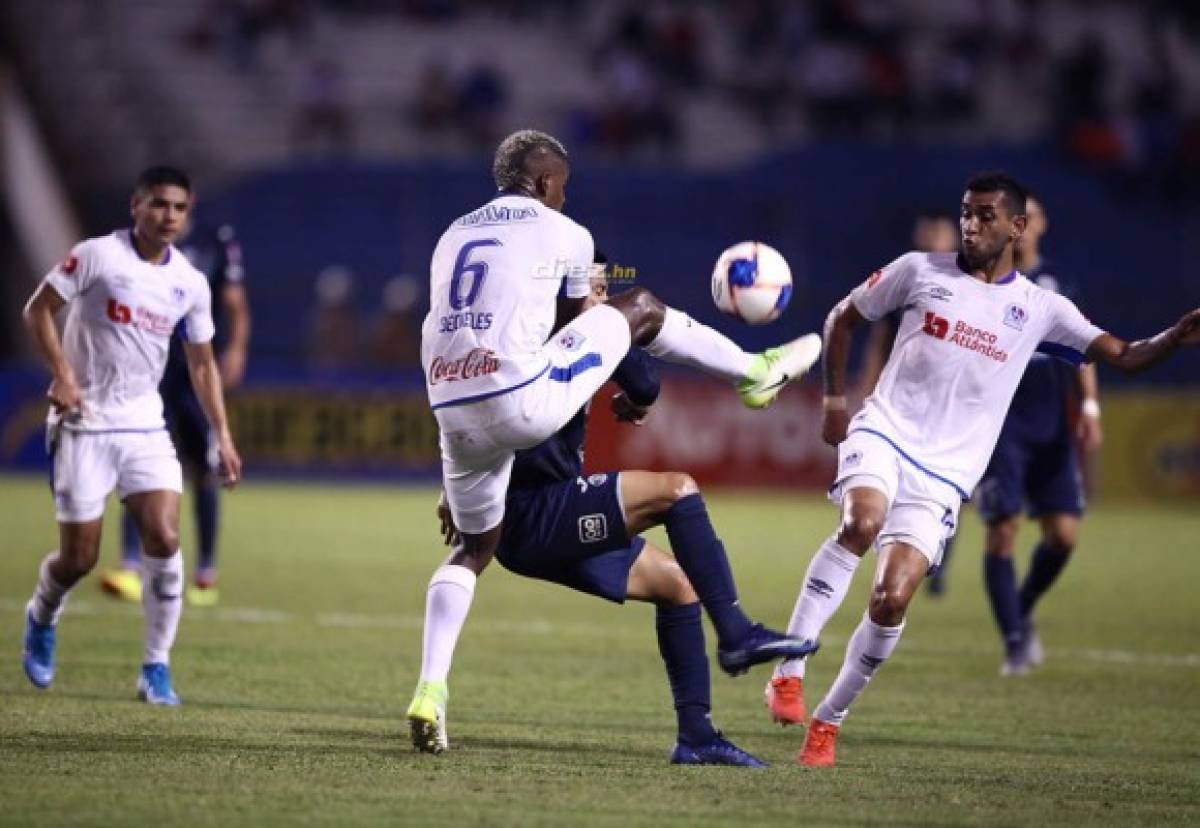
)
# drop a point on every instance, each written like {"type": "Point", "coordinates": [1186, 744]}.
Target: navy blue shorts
{"type": "Point", "coordinates": [1043, 475]}
{"type": "Point", "coordinates": [571, 533]}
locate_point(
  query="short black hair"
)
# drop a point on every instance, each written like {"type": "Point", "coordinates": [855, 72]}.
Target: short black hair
{"type": "Point", "coordinates": [997, 181]}
{"type": "Point", "coordinates": [160, 175]}
{"type": "Point", "coordinates": [508, 167]}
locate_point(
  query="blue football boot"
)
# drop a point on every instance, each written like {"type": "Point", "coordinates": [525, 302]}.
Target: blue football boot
{"type": "Point", "coordinates": [762, 644]}
{"type": "Point", "coordinates": [38, 655]}
{"type": "Point", "coordinates": [154, 685]}
{"type": "Point", "coordinates": [718, 751]}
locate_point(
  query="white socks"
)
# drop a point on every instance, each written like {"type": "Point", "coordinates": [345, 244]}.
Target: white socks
{"type": "Point", "coordinates": [162, 604]}
{"type": "Point", "coordinates": [685, 341]}
{"type": "Point", "coordinates": [49, 596]}
{"type": "Point", "coordinates": [869, 647]}
{"type": "Point", "coordinates": [451, 590]}
{"type": "Point", "coordinates": [825, 586]}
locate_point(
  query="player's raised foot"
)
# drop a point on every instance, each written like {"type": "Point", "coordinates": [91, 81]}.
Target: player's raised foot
{"type": "Point", "coordinates": [427, 717]}
{"type": "Point", "coordinates": [125, 584]}
{"type": "Point", "coordinates": [37, 656]}
{"type": "Point", "coordinates": [202, 596]}
{"type": "Point", "coordinates": [154, 685]}
{"type": "Point", "coordinates": [718, 751]}
{"type": "Point", "coordinates": [785, 699]}
{"type": "Point", "coordinates": [774, 368]}
{"type": "Point", "coordinates": [759, 645]}
{"type": "Point", "coordinates": [1031, 643]}
{"type": "Point", "coordinates": [820, 744]}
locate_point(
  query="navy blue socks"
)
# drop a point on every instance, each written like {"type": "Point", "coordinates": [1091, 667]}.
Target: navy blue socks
{"type": "Point", "coordinates": [207, 506]}
{"type": "Point", "coordinates": [1000, 577]}
{"type": "Point", "coordinates": [702, 556]}
{"type": "Point", "coordinates": [1044, 570]}
{"type": "Point", "coordinates": [681, 643]}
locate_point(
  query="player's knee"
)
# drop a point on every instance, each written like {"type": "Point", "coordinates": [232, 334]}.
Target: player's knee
{"type": "Point", "coordinates": [679, 485]}
{"type": "Point", "coordinates": [681, 590]}
{"type": "Point", "coordinates": [1001, 537]}
{"type": "Point", "coordinates": [1061, 539]}
{"type": "Point", "coordinates": [859, 530]}
{"type": "Point", "coordinates": [643, 310]}
{"type": "Point", "coordinates": [161, 540]}
{"type": "Point", "coordinates": [79, 555]}
{"type": "Point", "coordinates": [888, 605]}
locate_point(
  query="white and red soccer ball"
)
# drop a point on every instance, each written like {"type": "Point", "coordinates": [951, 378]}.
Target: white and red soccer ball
{"type": "Point", "coordinates": [753, 282]}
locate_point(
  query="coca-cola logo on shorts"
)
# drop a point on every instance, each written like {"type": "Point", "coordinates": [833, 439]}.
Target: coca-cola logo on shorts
{"type": "Point", "coordinates": [478, 363]}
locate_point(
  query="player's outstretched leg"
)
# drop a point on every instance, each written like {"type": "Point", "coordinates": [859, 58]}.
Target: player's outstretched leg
{"type": "Point", "coordinates": [673, 336]}
{"type": "Point", "coordinates": [899, 574]}
{"type": "Point", "coordinates": [126, 582]}
{"type": "Point", "coordinates": [673, 500]}
{"type": "Point", "coordinates": [825, 585]}
{"type": "Point", "coordinates": [79, 546]}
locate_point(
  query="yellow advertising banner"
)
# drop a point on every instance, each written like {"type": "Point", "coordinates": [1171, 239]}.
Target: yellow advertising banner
{"type": "Point", "coordinates": [305, 429]}
{"type": "Point", "coordinates": [1151, 445]}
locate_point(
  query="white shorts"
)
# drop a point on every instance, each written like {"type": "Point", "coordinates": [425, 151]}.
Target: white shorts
{"type": "Point", "coordinates": [922, 508]}
{"type": "Point", "coordinates": [478, 440]}
{"type": "Point", "coordinates": [89, 465]}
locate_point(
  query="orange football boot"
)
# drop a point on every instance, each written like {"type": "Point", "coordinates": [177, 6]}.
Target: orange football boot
{"type": "Point", "coordinates": [785, 700]}
{"type": "Point", "coordinates": [819, 745]}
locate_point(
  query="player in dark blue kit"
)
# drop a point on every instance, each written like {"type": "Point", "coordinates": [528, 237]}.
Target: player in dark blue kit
{"type": "Point", "coordinates": [215, 252]}
{"type": "Point", "coordinates": [1035, 463]}
{"type": "Point", "coordinates": [584, 533]}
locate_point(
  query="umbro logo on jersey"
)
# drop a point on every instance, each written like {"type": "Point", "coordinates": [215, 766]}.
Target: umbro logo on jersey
{"type": "Point", "coordinates": [1015, 317]}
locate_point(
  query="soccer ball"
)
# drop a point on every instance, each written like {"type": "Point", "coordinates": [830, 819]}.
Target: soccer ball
{"type": "Point", "coordinates": [753, 282]}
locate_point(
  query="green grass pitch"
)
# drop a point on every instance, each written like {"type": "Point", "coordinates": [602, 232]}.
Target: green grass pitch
{"type": "Point", "coordinates": [295, 687]}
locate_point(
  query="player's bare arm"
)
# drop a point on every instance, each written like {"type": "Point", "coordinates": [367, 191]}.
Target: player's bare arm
{"type": "Point", "coordinates": [839, 328]}
{"type": "Point", "coordinates": [237, 313]}
{"type": "Point", "coordinates": [206, 381]}
{"type": "Point", "coordinates": [1134, 357]}
{"type": "Point", "coordinates": [1088, 430]}
{"type": "Point", "coordinates": [38, 317]}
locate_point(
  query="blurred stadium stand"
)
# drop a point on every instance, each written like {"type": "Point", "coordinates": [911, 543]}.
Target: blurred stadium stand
{"type": "Point", "coordinates": [341, 136]}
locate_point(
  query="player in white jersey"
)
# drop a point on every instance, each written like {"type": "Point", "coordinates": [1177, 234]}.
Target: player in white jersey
{"type": "Point", "coordinates": [971, 322]}
{"type": "Point", "coordinates": [124, 295]}
{"type": "Point", "coordinates": [500, 379]}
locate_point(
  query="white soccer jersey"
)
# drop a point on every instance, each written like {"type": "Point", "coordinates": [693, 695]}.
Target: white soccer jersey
{"type": "Point", "coordinates": [960, 351]}
{"type": "Point", "coordinates": [494, 279]}
{"type": "Point", "coordinates": [121, 310]}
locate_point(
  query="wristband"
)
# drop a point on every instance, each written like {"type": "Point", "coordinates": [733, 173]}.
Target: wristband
{"type": "Point", "coordinates": [833, 403]}
{"type": "Point", "coordinates": [1090, 408]}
